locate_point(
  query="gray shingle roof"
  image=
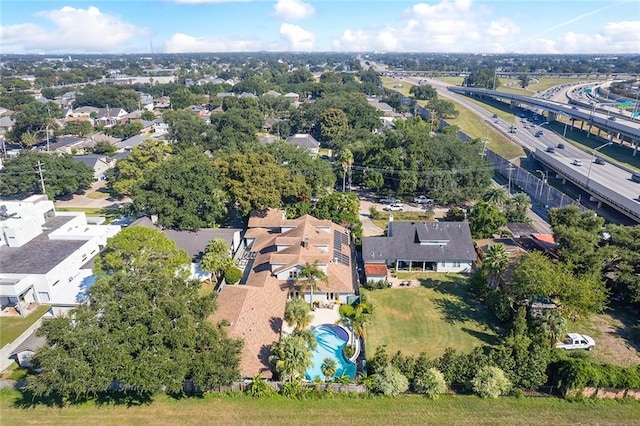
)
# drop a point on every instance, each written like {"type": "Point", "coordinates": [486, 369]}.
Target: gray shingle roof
{"type": "Point", "coordinates": [304, 140]}
{"type": "Point", "coordinates": [194, 242]}
{"type": "Point", "coordinates": [429, 241]}
{"type": "Point", "coordinates": [40, 255]}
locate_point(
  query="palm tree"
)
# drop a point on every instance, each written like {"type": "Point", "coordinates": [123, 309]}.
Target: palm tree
{"type": "Point", "coordinates": [496, 195]}
{"type": "Point", "coordinates": [346, 158]}
{"type": "Point", "coordinates": [291, 356]}
{"type": "Point", "coordinates": [296, 314]}
{"type": "Point", "coordinates": [308, 277]}
{"type": "Point", "coordinates": [496, 262]}
{"type": "Point", "coordinates": [329, 368]}
{"type": "Point", "coordinates": [357, 317]}
{"type": "Point", "coordinates": [555, 326]}
{"type": "Point", "coordinates": [519, 204]}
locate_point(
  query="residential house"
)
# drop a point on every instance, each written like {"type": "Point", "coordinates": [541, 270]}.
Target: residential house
{"type": "Point", "coordinates": [272, 93]}
{"type": "Point", "coordinates": [247, 95]}
{"type": "Point", "coordinates": [225, 94]}
{"type": "Point", "coordinates": [109, 116]}
{"type": "Point", "coordinates": [306, 141]}
{"type": "Point", "coordinates": [132, 142]}
{"type": "Point", "coordinates": [195, 242]}
{"type": "Point", "coordinates": [162, 102]}
{"type": "Point", "coordinates": [64, 144]}
{"type": "Point", "coordinates": [269, 123]}
{"type": "Point", "coordinates": [43, 254]}
{"type": "Point", "coordinates": [99, 163]}
{"type": "Point", "coordinates": [421, 246]}
{"type": "Point", "coordinates": [276, 249]}
{"type": "Point", "coordinates": [513, 250]}
{"type": "Point", "coordinates": [293, 97]}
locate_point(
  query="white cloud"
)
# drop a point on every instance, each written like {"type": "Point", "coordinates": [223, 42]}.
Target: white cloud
{"type": "Point", "coordinates": [183, 43]}
{"type": "Point", "coordinates": [293, 10]}
{"type": "Point", "coordinates": [298, 38]}
{"type": "Point", "coordinates": [502, 29]}
{"type": "Point", "coordinates": [74, 30]}
{"type": "Point", "coordinates": [450, 26]}
{"type": "Point", "coordinates": [612, 37]}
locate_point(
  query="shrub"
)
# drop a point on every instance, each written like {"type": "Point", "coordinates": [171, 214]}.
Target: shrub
{"type": "Point", "coordinates": [374, 213]}
{"type": "Point", "coordinates": [348, 351]}
{"type": "Point", "coordinates": [390, 381]}
{"type": "Point", "coordinates": [430, 383]}
{"type": "Point", "coordinates": [500, 304]}
{"type": "Point", "coordinates": [490, 382]}
{"type": "Point", "coordinates": [232, 275]}
{"type": "Point", "coordinates": [259, 387]}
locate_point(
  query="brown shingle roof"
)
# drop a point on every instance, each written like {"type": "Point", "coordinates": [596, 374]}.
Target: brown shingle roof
{"type": "Point", "coordinates": [255, 310]}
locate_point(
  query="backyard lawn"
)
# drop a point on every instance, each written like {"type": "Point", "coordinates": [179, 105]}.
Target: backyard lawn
{"type": "Point", "coordinates": [12, 327]}
{"type": "Point", "coordinates": [330, 410]}
{"type": "Point", "coordinates": [439, 314]}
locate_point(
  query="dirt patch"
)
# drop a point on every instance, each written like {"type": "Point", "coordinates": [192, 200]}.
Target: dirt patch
{"type": "Point", "coordinates": [612, 335]}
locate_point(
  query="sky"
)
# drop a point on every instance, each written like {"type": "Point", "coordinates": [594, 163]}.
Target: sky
{"type": "Point", "coordinates": [455, 26]}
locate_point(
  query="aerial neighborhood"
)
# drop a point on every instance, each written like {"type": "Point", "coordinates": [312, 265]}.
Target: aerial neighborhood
{"type": "Point", "coordinates": [318, 224]}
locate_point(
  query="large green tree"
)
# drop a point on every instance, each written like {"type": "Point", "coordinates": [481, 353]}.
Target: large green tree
{"type": "Point", "coordinates": [308, 278]}
{"type": "Point", "coordinates": [216, 258]}
{"type": "Point", "coordinates": [333, 124]}
{"type": "Point", "coordinates": [32, 123]}
{"type": "Point", "coordinates": [291, 356]}
{"type": "Point", "coordinates": [425, 92]}
{"type": "Point", "coordinates": [255, 181]}
{"type": "Point", "coordinates": [129, 171]}
{"type": "Point", "coordinates": [485, 220]}
{"type": "Point", "coordinates": [144, 329]}
{"type": "Point", "coordinates": [62, 175]}
{"type": "Point", "coordinates": [185, 192]}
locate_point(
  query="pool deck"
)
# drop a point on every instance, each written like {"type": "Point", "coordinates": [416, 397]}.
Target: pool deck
{"type": "Point", "coordinates": [319, 316]}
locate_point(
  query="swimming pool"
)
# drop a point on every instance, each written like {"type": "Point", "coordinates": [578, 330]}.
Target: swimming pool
{"type": "Point", "coordinates": [331, 339]}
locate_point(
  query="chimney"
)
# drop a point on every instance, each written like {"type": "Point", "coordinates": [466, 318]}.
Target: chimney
{"type": "Point", "coordinates": [389, 231]}
{"type": "Point", "coordinates": [305, 243]}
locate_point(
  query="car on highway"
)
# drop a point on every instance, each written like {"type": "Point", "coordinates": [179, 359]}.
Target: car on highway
{"type": "Point", "coordinates": [600, 161]}
{"type": "Point", "coordinates": [612, 118]}
{"type": "Point", "coordinates": [635, 177]}
{"type": "Point", "coordinates": [422, 199]}
{"type": "Point", "coordinates": [389, 200]}
{"type": "Point", "coordinates": [577, 162]}
{"type": "Point", "coordinates": [393, 208]}
{"type": "Point", "coordinates": [551, 149]}
{"type": "Point", "coordinates": [560, 146]}
{"type": "Point", "coordinates": [576, 341]}
{"type": "Point", "coordinates": [495, 115]}
{"type": "Point", "coordinates": [539, 133]}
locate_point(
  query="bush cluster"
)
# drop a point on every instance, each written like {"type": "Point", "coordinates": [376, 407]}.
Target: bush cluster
{"type": "Point", "coordinates": [577, 373]}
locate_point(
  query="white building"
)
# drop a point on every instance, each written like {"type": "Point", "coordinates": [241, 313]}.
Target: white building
{"type": "Point", "coordinates": [44, 254]}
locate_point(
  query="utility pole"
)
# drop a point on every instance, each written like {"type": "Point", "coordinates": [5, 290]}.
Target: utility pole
{"type": "Point", "coordinates": [41, 177]}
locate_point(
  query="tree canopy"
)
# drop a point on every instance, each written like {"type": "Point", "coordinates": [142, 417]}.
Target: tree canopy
{"type": "Point", "coordinates": [62, 175]}
{"type": "Point", "coordinates": [185, 192]}
{"type": "Point", "coordinates": [145, 329]}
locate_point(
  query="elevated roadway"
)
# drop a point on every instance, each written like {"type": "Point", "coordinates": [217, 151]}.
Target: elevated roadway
{"type": "Point", "coordinates": [619, 126]}
{"type": "Point", "coordinates": [605, 183]}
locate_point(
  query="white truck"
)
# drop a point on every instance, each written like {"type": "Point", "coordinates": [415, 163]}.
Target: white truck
{"type": "Point", "coordinates": [422, 199]}
{"type": "Point", "coordinates": [576, 341]}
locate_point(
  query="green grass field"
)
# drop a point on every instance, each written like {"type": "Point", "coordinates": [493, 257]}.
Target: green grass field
{"type": "Point", "coordinates": [12, 327]}
{"type": "Point", "coordinates": [330, 410]}
{"type": "Point", "coordinates": [439, 314]}
{"type": "Point", "coordinates": [469, 123]}
{"type": "Point", "coordinates": [383, 217]}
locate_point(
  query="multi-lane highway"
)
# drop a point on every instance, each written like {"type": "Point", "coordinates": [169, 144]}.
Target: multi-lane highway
{"type": "Point", "coordinates": [607, 183]}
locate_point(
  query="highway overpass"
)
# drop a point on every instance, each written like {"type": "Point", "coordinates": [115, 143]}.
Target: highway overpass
{"type": "Point", "coordinates": [622, 128]}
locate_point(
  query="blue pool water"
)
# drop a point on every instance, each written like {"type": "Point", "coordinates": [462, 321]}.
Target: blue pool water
{"type": "Point", "coordinates": [331, 339]}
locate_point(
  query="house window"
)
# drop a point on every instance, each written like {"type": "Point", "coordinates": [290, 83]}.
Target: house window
{"type": "Point", "coordinates": [331, 296]}
{"type": "Point", "coordinates": [293, 274]}
{"type": "Point", "coordinates": [294, 294]}
{"type": "Point", "coordinates": [456, 264]}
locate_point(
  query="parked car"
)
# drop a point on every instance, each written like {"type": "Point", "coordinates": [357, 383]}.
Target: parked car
{"type": "Point", "coordinates": [389, 200]}
{"type": "Point", "coordinates": [551, 149]}
{"type": "Point", "coordinates": [393, 208]}
{"type": "Point", "coordinates": [600, 161]}
{"type": "Point", "coordinates": [422, 199]}
{"type": "Point", "coordinates": [577, 162]}
{"type": "Point", "coordinates": [576, 341]}
{"type": "Point", "coordinates": [560, 145]}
